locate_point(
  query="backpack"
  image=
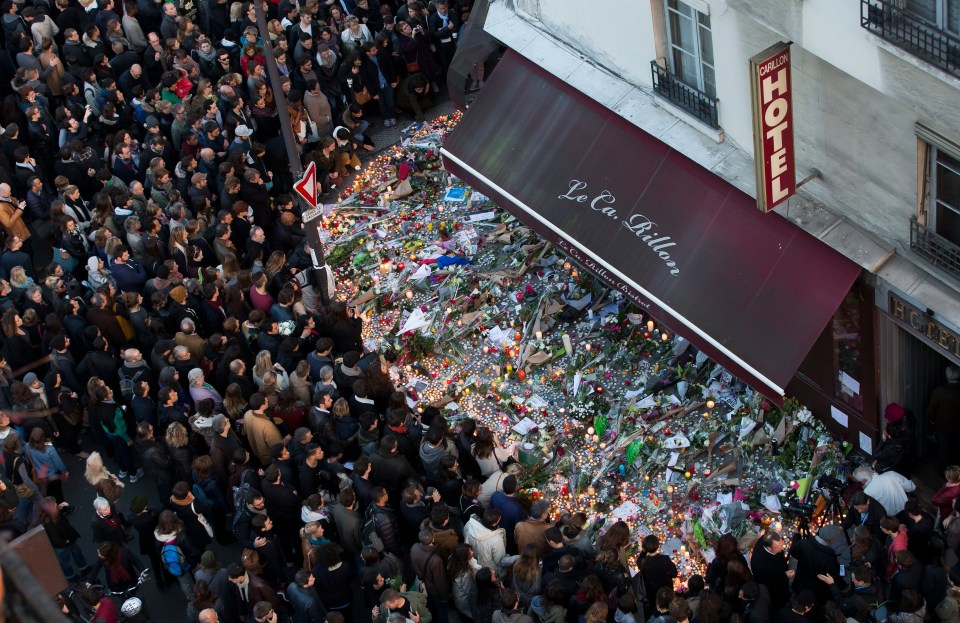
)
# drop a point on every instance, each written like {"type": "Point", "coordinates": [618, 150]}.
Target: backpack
{"type": "Point", "coordinates": [174, 562]}
{"type": "Point", "coordinates": [128, 384]}
{"type": "Point", "coordinates": [369, 531]}
{"type": "Point", "coordinates": [240, 491]}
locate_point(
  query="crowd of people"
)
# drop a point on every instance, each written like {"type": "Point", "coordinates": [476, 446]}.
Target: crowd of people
{"type": "Point", "coordinates": [162, 319]}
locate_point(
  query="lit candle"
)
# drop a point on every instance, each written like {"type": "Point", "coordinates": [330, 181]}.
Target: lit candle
{"type": "Point", "coordinates": [567, 345]}
{"type": "Point", "coordinates": [649, 325]}
{"type": "Point", "coordinates": [539, 335]}
{"type": "Point", "coordinates": [590, 314]}
{"type": "Point", "coordinates": [664, 337]}
{"type": "Point", "coordinates": [711, 404]}
{"type": "Point", "coordinates": [587, 347]}
{"type": "Point", "coordinates": [409, 294]}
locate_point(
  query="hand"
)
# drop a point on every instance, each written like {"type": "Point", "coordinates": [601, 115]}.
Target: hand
{"type": "Point", "coordinates": [91, 172]}
{"type": "Point", "coordinates": [376, 97]}
{"type": "Point", "coordinates": [790, 574]}
{"type": "Point", "coordinates": [826, 579]}
{"type": "Point", "coordinates": [415, 616]}
{"type": "Point", "coordinates": [375, 612]}
{"type": "Point", "coordinates": [22, 204]}
{"type": "Point", "coordinates": [403, 588]}
{"type": "Point", "coordinates": [259, 541]}
{"type": "Point", "coordinates": [436, 496]}
{"type": "Point", "coordinates": [54, 61]}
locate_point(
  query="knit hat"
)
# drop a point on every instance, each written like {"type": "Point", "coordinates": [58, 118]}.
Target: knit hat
{"type": "Point", "coordinates": [138, 504]}
{"type": "Point", "coordinates": [30, 378]}
{"type": "Point", "coordinates": [179, 294]}
{"type": "Point", "coordinates": [893, 413]}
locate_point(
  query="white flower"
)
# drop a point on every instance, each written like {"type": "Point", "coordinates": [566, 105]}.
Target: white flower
{"type": "Point", "coordinates": [286, 327]}
{"type": "Point", "coordinates": [804, 415]}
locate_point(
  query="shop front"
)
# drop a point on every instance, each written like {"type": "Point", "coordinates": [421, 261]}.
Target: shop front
{"type": "Point", "coordinates": [751, 290]}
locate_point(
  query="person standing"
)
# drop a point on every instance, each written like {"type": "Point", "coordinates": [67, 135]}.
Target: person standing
{"type": "Point", "coordinates": [771, 569]}
{"type": "Point", "coordinates": [942, 413]}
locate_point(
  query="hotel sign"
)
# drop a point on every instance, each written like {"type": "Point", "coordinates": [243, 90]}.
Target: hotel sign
{"type": "Point", "coordinates": [772, 97]}
{"type": "Point", "coordinates": [925, 326]}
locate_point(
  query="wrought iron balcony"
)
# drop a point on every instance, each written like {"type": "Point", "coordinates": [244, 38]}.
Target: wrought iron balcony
{"type": "Point", "coordinates": [889, 20]}
{"type": "Point", "coordinates": [684, 96]}
{"type": "Point", "coordinates": [934, 248]}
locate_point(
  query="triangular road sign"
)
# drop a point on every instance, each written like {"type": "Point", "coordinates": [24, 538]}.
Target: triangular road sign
{"type": "Point", "coordinates": [307, 186]}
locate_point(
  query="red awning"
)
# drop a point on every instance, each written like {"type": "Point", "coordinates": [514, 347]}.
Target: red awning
{"type": "Point", "coordinates": [751, 290]}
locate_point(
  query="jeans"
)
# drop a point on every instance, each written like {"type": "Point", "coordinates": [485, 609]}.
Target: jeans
{"type": "Point", "coordinates": [361, 130]}
{"type": "Point", "coordinates": [69, 557]}
{"type": "Point", "coordinates": [386, 103]}
{"type": "Point", "coordinates": [122, 453]}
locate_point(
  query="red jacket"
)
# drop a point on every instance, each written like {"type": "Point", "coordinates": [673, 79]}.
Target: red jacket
{"type": "Point", "coordinates": [107, 612]}
{"type": "Point", "coordinates": [897, 543]}
{"type": "Point", "coordinates": [943, 499]}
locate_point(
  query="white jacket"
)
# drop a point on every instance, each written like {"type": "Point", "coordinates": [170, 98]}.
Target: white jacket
{"type": "Point", "coordinates": [489, 546]}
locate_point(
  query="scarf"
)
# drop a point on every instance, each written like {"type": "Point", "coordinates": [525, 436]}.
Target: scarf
{"type": "Point", "coordinates": [208, 56]}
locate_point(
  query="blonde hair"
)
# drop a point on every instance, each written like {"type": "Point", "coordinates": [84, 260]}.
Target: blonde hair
{"type": "Point", "coordinates": [952, 473]}
{"type": "Point", "coordinates": [18, 277]}
{"type": "Point", "coordinates": [263, 364]}
{"type": "Point", "coordinates": [95, 471]}
{"type": "Point", "coordinates": [176, 436]}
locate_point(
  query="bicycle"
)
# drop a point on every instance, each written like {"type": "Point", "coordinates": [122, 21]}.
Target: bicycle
{"type": "Point", "coordinates": [131, 607]}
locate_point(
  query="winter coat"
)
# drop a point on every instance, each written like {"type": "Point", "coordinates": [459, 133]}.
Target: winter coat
{"type": "Point", "coordinates": [490, 546]}
{"type": "Point", "coordinates": [511, 616]}
{"type": "Point", "coordinates": [431, 568]}
{"type": "Point", "coordinates": [464, 591]}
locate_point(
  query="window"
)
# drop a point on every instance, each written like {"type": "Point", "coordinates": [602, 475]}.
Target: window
{"type": "Point", "coordinates": [945, 194]}
{"type": "Point", "coordinates": [945, 14]}
{"type": "Point", "coordinates": [690, 43]}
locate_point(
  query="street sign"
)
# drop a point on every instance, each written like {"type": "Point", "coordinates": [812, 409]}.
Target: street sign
{"type": "Point", "coordinates": [311, 214]}
{"type": "Point", "coordinates": [307, 186]}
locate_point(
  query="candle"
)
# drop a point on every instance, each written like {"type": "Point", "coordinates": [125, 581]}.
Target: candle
{"type": "Point", "coordinates": [664, 337]}
{"type": "Point", "coordinates": [590, 314]}
{"type": "Point", "coordinates": [567, 345]}
{"type": "Point", "coordinates": [649, 325]}
{"type": "Point", "coordinates": [588, 347]}
{"type": "Point", "coordinates": [711, 404]}
{"type": "Point", "coordinates": [409, 294]}
{"type": "Point", "coordinates": [539, 335]}
{"type": "Point", "coordinates": [566, 266]}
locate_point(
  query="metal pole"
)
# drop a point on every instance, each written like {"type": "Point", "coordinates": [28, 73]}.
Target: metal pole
{"type": "Point", "coordinates": [293, 155]}
{"type": "Point", "coordinates": [289, 137]}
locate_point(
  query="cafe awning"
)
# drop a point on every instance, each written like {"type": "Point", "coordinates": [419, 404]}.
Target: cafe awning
{"type": "Point", "coordinates": [751, 290]}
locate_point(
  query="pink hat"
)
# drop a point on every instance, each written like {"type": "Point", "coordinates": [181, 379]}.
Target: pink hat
{"type": "Point", "coordinates": [893, 412]}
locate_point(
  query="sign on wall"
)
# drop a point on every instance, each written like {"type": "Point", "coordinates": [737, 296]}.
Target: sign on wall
{"type": "Point", "coordinates": [772, 98]}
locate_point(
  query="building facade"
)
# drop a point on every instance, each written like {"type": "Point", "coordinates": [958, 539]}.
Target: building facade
{"type": "Point", "coordinates": [876, 84]}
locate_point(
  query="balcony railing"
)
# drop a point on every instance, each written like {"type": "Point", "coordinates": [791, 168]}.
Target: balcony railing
{"type": "Point", "coordinates": [685, 96]}
{"type": "Point", "coordinates": [934, 248]}
{"type": "Point", "coordinates": [889, 20]}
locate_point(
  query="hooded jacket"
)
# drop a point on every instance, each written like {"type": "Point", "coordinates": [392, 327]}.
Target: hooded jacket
{"type": "Point", "coordinates": [490, 546]}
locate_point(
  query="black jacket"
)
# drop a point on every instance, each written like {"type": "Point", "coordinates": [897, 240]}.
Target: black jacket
{"type": "Point", "coordinates": [770, 570]}
{"type": "Point", "coordinates": [814, 558]}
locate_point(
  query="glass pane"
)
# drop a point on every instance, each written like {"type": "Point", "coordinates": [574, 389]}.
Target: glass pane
{"type": "Point", "coordinates": [948, 223]}
{"type": "Point", "coordinates": [709, 81]}
{"type": "Point", "coordinates": [706, 46]}
{"type": "Point", "coordinates": [685, 66]}
{"type": "Point", "coordinates": [927, 9]}
{"type": "Point", "coordinates": [682, 34]}
{"type": "Point", "coordinates": [953, 16]}
{"type": "Point", "coordinates": [704, 19]}
{"type": "Point", "coordinates": [948, 182]}
{"type": "Point", "coordinates": [847, 351]}
{"type": "Point", "coordinates": [676, 5]}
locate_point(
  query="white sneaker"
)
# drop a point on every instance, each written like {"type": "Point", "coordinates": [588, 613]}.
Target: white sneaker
{"type": "Point", "coordinates": [136, 476]}
{"type": "Point", "coordinates": [122, 475]}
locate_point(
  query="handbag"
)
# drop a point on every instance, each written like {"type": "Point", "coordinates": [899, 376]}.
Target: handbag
{"type": "Point", "coordinates": [413, 67]}
{"type": "Point", "coordinates": [363, 96]}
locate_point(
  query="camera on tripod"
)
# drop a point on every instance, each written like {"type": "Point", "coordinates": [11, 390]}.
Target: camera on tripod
{"type": "Point", "coordinates": [803, 510]}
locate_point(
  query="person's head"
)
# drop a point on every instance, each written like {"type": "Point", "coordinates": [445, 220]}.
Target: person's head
{"type": "Point", "coordinates": [803, 602]}
{"type": "Point", "coordinates": [889, 525]}
{"type": "Point", "coordinates": [860, 501]}
{"type": "Point", "coordinates": [772, 540]}
{"type": "Point", "coordinates": [953, 374]}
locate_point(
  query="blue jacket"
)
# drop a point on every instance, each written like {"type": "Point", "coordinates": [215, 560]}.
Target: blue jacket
{"type": "Point", "coordinates": [511, 512]}
{"type": "Point", "coordinates": [47, 463]}
{"type": "Point", "coordinates": [130, 276]}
